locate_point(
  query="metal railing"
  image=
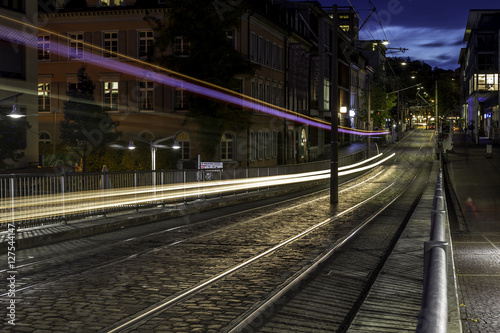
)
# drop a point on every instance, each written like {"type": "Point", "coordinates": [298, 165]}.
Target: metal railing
{"type": "Point", "coordinates": [433, 316]}
{"type": "Point", "coordinates": [22, 192]}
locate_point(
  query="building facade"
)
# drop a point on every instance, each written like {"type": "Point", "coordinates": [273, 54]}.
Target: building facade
{"type": "Point", "coordinates": [289, 43]}
{"type": "Point", "coordinates": [18, 77]}
{"type": "Point", "coordinates": [479, 72]}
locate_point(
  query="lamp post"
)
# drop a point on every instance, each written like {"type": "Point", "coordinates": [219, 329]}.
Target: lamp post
{"type": "Point", "coordinates": [155, 145]}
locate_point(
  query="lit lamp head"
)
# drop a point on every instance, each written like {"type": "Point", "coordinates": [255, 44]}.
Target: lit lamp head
{"type": "Point", "coordinates": [16, 112]}
{"type": "Point", "coordinates": [131, 145]}
{"type": "Point", "coordinates": [176, 145]}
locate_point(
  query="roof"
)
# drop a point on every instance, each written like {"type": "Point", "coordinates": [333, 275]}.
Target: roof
{"type": "Point", "coordinates": [474, 17]}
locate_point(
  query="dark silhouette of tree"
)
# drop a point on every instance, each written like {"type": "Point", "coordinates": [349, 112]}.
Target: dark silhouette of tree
{"type": "Point", "coordinates": [203, 49]}
{"type": "Point", "coordinates": [12, 137]}
{"type": "Point", "coordinates": [86, 126]}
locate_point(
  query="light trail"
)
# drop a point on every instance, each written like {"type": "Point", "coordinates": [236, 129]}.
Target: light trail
{"type": "Point", "coordinates": [48, 206]}
{"type": "Point", "coordinates": [110, 193]}
{"type": "Point", "coordinates": [203, 88]}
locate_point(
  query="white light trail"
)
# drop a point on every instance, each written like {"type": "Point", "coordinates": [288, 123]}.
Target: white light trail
{"type": "Point", "coordinates": [46, 206]}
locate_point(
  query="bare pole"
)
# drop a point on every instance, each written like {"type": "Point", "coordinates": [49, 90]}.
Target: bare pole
{"type": "Point", "coordinates": [334, 105]}
{"type": "Point", "coordinates": [369, 115]}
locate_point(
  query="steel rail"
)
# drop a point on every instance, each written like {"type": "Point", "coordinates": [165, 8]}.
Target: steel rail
{"type": "Point", "coordinates": [118, 260]}
{"type": "Point", "coordinates": [183, 295]}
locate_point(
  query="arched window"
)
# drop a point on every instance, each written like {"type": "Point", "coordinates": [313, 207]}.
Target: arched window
{"type": "Point", "coordinates": [183, 141]}
{"type": "Point", "coordinates": [44, 137]}
{"type": "Point", "coordinates": [226, 147]}
{"type": "Point", "coordinates": [148, 135]}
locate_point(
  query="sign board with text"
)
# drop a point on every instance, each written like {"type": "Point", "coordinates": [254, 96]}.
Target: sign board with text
{"type": "Point", "coordinates": [211, 165]}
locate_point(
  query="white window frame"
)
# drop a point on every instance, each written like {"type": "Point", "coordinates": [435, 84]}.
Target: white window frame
{"type": "Point", "coordinates": [110, 44]}
{"type": "Point", "coordinates": [43, 47]}
{"type": "Point", "coordinates": [145, 43]}
{"type": "Point", "coordinates": [110, 95]}
{"type": "Point", "coordinates": [183, 140]}
{"type": "Point", "coordinates": [44, 96]}
{"type": "Point", "coordinates": [75, 43]}
{"type": "Point", "coordinates": [44, 140]}
{"type": "Point", "coordinates": [227, 147]}
{"type": "Point", "coordinates": [146, 95]}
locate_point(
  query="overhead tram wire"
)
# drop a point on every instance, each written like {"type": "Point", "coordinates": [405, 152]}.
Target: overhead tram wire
{"type": "Point", "coordinates": [312, 121]}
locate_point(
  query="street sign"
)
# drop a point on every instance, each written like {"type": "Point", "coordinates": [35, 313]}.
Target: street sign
{"type": "Point", "coordinates": [211, 165]}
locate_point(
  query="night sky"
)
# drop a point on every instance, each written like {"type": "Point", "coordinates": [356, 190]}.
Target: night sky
{"type": "Point", "coordinates": [431, 30]}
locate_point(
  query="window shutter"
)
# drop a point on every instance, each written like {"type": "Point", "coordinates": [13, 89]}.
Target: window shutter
{"type": "Point", "coordinates": [122, 42]}
{"type": "Point", "coordinates": [132, 42]}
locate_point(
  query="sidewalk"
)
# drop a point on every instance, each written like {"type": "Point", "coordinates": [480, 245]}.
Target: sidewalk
{"type": "Point", "coordinates": [475, 179]}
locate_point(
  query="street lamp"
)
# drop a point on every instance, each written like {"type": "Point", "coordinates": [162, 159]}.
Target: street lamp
{"type": "Point", "coordinates": [131, 145]}
{"type": "Point", "coordinates": [155, 145]}
{"type": "Point", "coordinates": [16, 112]}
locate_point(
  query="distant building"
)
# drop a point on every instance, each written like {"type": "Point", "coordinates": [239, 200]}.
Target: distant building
{"type": "Point", "coordinates": [479, 71]}
{"type": "Point", "coordinates": [18, 77]}
{"type": "Point", "coordinates": [288, 41]}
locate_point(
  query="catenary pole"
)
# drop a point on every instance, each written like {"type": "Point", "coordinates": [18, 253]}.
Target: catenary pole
{"type": "Point", "coordinates": [334, 105]}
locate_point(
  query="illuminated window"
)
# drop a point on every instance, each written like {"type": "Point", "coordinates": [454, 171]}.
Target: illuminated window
{"type": "Point", "coordinates": [44, 97]}
{"type": "Point", "coordinates": [226, 147]}
{"type": "Point", "coordinates": [146, 40]}
{"type": "Point", "coordinates": [110, 44]}
{"type": "Point", "coordinates": [43, 48]}
{"type": "Point", "coordinates": [146, 96]}
{"type": "Point", "coordinates": [75, 46]}
{"type": "Point", "coordinates": [486, 81]}
{"type": "Point", "coordinates": [111, 96]}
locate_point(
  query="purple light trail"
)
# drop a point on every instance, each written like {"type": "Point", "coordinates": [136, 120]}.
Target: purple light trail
{"type": "Point", "coordinates": [16, 36]}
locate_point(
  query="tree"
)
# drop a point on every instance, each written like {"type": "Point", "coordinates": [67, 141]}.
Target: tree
{"type": "Point", "coordinates": [12, 137]}
{"type": "Point", "coordinates": [203, 49]}
{"type": "Point", "coordinates": [381, 103]}
{"type": "Point", "coordinates": [86, 126]}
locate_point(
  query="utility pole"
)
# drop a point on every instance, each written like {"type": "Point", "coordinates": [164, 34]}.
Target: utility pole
{"type": "Point", "coordinates": [437, 119]}
{"type": "Point", "coordinates": [334, 105]}
{"type": "Point", "coordinates": [369, 99]}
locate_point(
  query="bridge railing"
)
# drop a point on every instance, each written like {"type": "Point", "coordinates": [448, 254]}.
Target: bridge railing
{"type": "Point", "coordinates": [433, 316]}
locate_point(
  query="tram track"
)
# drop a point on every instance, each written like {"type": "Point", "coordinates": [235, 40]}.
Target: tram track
{"type": "Point", "coordinates": [178, 234]}
{"type": "Point", "coordinates": [142, 321]}
{"type": "Point", "coordinates": [147, 281]}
